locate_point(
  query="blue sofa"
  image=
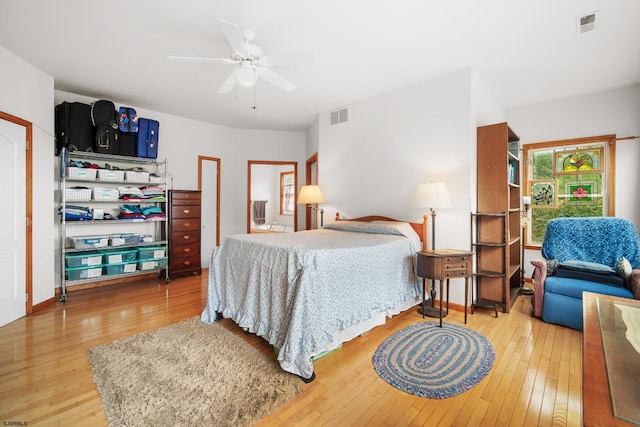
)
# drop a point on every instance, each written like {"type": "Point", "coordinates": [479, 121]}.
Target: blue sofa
{"type": "Point", "coordinates": [584, 254]}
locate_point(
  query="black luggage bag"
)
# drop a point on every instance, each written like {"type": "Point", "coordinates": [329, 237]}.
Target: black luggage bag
{"type": "Point", "coordinates": [73, 127]}
{"type": "Point", "coordinates": [103, 115]}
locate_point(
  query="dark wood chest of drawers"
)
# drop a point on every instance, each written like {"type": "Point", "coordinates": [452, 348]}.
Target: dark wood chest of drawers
{"type": "Point", "coordinates": [184, 233]}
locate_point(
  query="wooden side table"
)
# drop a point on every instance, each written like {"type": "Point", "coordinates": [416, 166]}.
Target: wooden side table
{"type": "Point", "coordinates": [444, 264]}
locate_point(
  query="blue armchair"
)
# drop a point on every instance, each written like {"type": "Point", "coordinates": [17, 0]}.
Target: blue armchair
{"type": "Point", "coordinates": [599, 254]}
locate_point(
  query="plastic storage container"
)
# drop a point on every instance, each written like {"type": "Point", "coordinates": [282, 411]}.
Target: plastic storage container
{"type": "Point", "coordinates": [110, 175]}
{"type": "Point", "coordinates": [117, 257]}
{"type": "Point", "coordinates": [132, 176]}
{"type": "Point", "coordinates": [83, 259]}
{"type": "Point", "coordinates": [152, 252]}
{"type": "Point", "coordinates": [105, 193]}
{"type": "Point", "coordinates": [151, 264]}
{"type": "Point", "coordinates": [121, 268]}
{"type": "Point", "coordinates": [81, 173]}
{"type": "Point", "coordinates": [79, 273]}
{"type": "Point", "coordinates": [124, 239]}
{"type": "Point", "coordinates": [89, 242]}
{"type": "Point", "coordinates": [77, 194]}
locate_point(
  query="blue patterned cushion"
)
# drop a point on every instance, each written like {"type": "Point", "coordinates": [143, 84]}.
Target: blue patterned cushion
{"type": "Point", "coordinates": [603, 240]}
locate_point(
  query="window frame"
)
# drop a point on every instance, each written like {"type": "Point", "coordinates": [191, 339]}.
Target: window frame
{"type": "Point", "coordinates": [608, 170]}
{"type": "Point", "coordinates": [283, 184]}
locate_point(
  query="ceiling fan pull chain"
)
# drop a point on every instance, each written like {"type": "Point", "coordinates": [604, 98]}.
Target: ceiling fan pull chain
{"type": "Point", "coordinates": [254, 98]}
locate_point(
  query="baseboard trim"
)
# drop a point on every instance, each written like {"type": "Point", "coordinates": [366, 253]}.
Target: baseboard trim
{"type": "Point", "coordinates": [44, 304]}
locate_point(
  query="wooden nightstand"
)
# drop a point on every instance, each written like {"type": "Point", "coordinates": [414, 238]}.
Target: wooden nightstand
{"type": "Point", "coordinates": [444, 264]}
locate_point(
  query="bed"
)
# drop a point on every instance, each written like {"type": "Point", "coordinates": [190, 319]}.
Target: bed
{"type": "Point", "coordinates": [308, 292]}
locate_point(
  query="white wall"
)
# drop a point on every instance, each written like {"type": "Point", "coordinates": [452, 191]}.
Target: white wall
{"type": "Point", "coordinates": [614, 111]}
{"type": "Point", "coordinates": [27, 93]}
{"type": "Point", "coordinates": [373, 163]}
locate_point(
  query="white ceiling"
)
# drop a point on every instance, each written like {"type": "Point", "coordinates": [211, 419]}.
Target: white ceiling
{"type": "Point", "coordinates": [527, 51]}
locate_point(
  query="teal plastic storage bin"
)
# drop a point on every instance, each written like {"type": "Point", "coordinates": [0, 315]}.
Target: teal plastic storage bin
{"type": "Point", "coordinates": [121, 268]}
{"type": "Point", "coordinates": [119, 256]}
{"type": "Point", "coordinates": [87, 272]}
{"type": "Point", "coordinates": [83, 259]}
{"type": "Point", "coordinates": [152, 252]}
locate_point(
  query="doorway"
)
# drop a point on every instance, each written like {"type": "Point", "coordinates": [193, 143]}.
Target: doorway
{"type": "Point", "coordinates": [311, 178]}
{"type": "Point", "coordinates": [209, 185]}
{"type": "Point", "coordinates": [265, 196]}
{"type": "Point", "coordinates": [15, 232]}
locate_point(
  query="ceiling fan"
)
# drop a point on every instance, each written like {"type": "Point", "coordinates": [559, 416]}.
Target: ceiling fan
{"type": "Point", "coordinates": [250, 61]}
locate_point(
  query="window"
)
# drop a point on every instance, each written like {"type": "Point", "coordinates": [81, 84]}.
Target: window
{"type": "Point", "coordinates": [568, 178]}
{"type": "Point", "coordinates": [287, 191]}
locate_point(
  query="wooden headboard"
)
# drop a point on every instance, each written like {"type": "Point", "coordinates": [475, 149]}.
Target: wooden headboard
{"type": "Point", "coordinates": [419, 227]}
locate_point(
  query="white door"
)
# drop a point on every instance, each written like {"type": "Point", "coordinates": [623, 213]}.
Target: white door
{"type": "Point", "coordinates": [12, 223]}
{"type": "Point", "coordinates": [209, 210]}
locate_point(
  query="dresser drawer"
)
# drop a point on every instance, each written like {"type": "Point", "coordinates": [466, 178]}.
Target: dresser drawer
{"type": "Point", "coordinates": [185, 224]}
{"type": "Point", "coordinates": [185, 263]}
{"type": "Point", "coordinates": [185, 212]}
{"type": "Point", "coordinates": [185, 198]}
{"type": "Point", "coordinates": [185, 237]}
{"type": "Point", "coordinates": [186, 250]}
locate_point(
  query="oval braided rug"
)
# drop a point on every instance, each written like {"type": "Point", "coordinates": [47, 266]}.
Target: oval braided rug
{"type": "Point", "coordinates": [429, 361]}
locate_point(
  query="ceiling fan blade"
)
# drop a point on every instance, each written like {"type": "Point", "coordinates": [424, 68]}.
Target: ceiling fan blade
{"type": "Point", "coordinates": [276, 79]}
{"type": "Point", "coordinates": [296, 59]}
{"type": "Point", "coordinates": [228, 84]}
{"type": "Point", "coordinates": [234, 37]}
{"type": "Point", "coordinates": [201, 60]}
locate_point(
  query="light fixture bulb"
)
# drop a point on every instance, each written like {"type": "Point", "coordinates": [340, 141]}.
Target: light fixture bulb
{"type": "Point", "coordinates": [245, 74]}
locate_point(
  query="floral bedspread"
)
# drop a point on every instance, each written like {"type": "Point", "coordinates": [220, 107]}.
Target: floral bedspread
{"type": "Point", "coordinates": [298, 289]}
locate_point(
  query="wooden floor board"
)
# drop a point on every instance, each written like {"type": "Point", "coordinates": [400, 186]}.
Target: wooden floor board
{"type": "Point", "coordinates": [45, 378]}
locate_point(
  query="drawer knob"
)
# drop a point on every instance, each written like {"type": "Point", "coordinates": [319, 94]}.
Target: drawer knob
{"type": "Point", "coordinates": [187, 249]}
{"type": "Point", "coordinates": [185, 211]}
{"type": "Point", "coordinates": [186, 224]}
{"type": "Point", "coordinates": [186, 237]}
{"type": "Point", "coordinates": [187, 262]}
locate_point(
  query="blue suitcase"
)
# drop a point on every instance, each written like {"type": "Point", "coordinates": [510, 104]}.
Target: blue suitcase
{"type": "Point", "coordinates": [147, 138]}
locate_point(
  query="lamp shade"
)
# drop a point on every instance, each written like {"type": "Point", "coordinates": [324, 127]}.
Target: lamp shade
{"type": "Point", "coordinates": [310, 194]}
{"type": "Point", "coordinates": [432, 195]}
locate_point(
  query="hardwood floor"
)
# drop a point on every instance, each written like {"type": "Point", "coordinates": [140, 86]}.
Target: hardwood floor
{"type": "Point", "coordinates": [45, 378]}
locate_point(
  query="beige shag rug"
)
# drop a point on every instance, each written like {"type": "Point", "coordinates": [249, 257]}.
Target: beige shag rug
{"type": "Point", "coordinates": [189, 373]}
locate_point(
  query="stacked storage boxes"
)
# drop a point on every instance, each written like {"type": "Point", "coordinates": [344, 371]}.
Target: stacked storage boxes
{"type": "Point", "coordinates": [108, 260]}
{"type": "Point", "coordinates": [87, 265]}
{"type": "Point", "coordinates": [119, 262]}
{"type": "Point", "coordinates": [152, 257]}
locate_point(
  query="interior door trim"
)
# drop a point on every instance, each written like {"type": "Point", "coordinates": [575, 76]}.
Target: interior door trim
{"type": "Point", "coordinates": [29, 206]}
{"type": "Point", "coordinates": [218, 165]}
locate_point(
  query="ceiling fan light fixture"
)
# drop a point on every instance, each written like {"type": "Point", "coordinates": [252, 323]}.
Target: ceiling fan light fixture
{"type": "Point", "coordinates": [246, 75]}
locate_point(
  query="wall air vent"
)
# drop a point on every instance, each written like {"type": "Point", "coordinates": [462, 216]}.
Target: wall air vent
{"type": "Point", "coordinates": [586, 23]}
{"type": "Point", "coordinates": [339, 116]}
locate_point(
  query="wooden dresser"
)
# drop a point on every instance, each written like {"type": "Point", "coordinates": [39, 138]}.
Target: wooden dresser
{"type": "Point", "coordinates": [184, 233]}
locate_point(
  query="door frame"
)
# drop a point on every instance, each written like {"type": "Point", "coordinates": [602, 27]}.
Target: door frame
{"type": "Point", "coordinates": [202, 159]}
{"type": "Point", "coordinates": [311, 163]}
{"type": "Point", "coordinates": [295, 194]}
{"type": "Point", "coordinates": [29, 205]}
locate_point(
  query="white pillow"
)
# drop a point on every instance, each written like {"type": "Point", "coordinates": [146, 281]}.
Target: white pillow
{"type": "Point", "coordinates": [623, 268]}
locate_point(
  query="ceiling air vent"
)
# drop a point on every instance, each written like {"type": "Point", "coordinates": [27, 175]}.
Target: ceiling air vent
{"type": "Point", "coordinates": [339, 116]}
{"type": "Point", "coordinates": [587, 23]}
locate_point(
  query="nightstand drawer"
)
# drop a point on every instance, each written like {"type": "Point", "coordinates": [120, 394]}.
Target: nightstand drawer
{"type": "Point", "coordinates": [460, 265]}
{"type": "Point", "coordinates": [456, 273]}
